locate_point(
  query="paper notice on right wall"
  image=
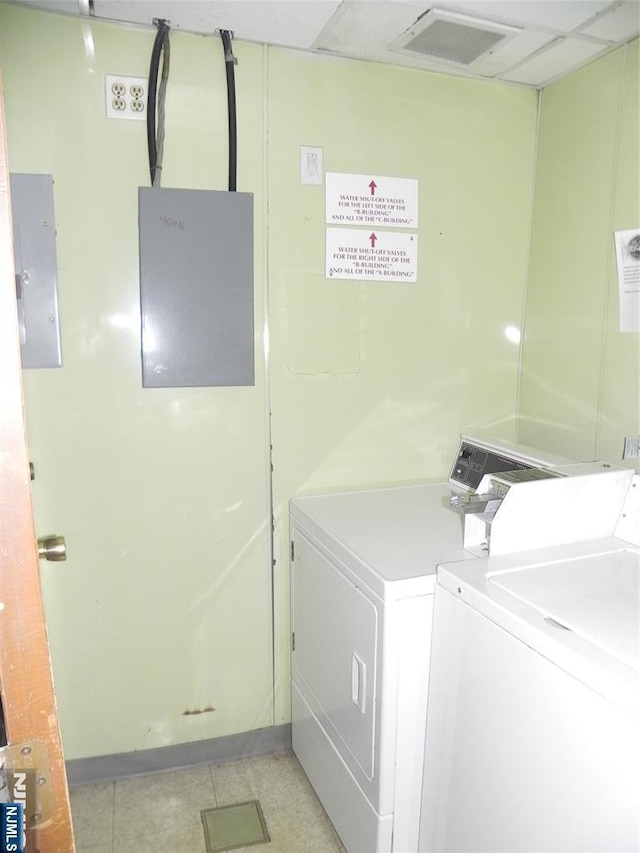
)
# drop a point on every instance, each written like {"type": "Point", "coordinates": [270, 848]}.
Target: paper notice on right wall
{"type": "Point", "coordinates": [628, 260]}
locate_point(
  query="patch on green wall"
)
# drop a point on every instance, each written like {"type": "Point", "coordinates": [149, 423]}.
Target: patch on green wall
{"type": "Point", "coordinates": [321, 321]}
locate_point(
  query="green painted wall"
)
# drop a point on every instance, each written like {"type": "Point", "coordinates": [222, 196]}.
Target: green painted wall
{"type": "Point", "coordinates": [372, 383]}
{"type": "Point", "coordinates": [580, 387]}
{"type": "Point", "coordinates": [165, 603]}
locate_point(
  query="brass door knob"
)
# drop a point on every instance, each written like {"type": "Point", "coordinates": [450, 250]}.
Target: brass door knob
{"type": "Point", "coordinates": [52, 548]}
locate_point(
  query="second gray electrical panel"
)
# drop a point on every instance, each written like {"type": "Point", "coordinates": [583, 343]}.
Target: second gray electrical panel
{"type": "Point", "coordinates": [196, 287]}
{"type": "Point", "coordinates": [34, 249]}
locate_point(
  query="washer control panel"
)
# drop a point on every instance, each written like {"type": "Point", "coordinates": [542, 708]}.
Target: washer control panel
{"type": "Point", "coordinates": [474, 461]}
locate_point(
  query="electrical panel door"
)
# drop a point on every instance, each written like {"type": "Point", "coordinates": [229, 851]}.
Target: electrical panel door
{"type": "Point", "coordinates": [196, 287]}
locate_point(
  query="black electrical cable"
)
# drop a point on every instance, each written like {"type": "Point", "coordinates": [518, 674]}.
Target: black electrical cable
{"type": "Point", "coordinates": [152, 93]}
{"type": "Point", "coordinates": [229, 61]}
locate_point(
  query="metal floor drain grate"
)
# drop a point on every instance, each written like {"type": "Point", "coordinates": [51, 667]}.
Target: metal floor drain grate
{"type": "Point", "coordinates": [239, 825]}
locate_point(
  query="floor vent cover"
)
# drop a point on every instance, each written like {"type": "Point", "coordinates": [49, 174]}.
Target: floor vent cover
{"type": "Point", "coordinates": [229, 827]}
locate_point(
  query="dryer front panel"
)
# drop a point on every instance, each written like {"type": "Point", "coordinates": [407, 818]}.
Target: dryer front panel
{"type": "Point", "coordinates": [335, 655]}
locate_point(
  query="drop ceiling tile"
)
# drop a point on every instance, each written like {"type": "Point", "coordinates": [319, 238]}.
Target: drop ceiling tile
{"type": "Point", "coordinates": [282, 22]}
{"type": "Point", "coordinates": [64, 7]}
{"type": "Point", "coordinates": [515, 51]}
{"type": "Point", "coordinates": [139, 12]}
{"type": "Point", "coordinates": [354, 30]}
{"type": "Point", "coordinates": [563, 16]}
{"type": "Point", "coordinates": [560, 57]}
{"type": "Point", "coordinates": [619, 24]}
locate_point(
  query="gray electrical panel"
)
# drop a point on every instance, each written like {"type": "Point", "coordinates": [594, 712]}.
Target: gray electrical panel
{"type": "Point", "coordinates": [196, 287]}
{"type": "Point", "coordinates": [34, 250]}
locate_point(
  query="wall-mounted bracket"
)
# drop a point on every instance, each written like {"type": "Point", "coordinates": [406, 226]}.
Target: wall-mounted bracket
{"type": "Point", "coordinates": [24, 778]}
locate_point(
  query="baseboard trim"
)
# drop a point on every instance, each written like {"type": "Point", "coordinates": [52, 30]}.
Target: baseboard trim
{"type": "Point", "coordinates": [124, 765]}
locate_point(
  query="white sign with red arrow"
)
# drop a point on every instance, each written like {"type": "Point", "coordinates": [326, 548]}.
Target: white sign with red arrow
{"type": "Point", "coordinates": [364, 255]}
{"type": "Point", "coordinates": [371, 200]}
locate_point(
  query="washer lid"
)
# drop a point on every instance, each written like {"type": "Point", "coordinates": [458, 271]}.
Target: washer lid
{"type": "Point", "coordinates": [577, 605]}
{"type": "Point", "coordinates": [596, 597]}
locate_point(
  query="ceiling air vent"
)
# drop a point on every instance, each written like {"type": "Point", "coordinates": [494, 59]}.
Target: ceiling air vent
{"type": "Point", "coordinates": [449, 37]}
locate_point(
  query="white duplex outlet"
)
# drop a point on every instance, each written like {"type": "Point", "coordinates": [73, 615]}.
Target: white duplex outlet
{"type": "Point", "coordinates": [125, 97]}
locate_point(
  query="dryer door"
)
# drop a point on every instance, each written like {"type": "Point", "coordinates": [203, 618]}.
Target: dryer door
{"type": "Point", "coordinates": [334, 661]}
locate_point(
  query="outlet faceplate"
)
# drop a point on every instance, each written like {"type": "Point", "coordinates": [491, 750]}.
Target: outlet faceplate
{"type": "Point", "coordinates": [125, 97]}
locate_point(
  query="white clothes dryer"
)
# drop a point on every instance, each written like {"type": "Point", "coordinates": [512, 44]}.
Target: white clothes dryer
{"type": "Point", "coordinates": [362, 584]}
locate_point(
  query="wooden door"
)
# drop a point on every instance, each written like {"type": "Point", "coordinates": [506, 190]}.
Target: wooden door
{"type": "Point", "coordinates": [26, 684]}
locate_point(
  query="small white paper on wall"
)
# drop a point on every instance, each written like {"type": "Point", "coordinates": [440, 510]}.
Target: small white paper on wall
{"type": "Point", "coordinates": [628, 259]}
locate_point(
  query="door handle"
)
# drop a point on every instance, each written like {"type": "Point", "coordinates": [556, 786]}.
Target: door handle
{"type": "Point", "coordinates": [358, 683]}
{"type": "Point", "coordinates": [52, 548]}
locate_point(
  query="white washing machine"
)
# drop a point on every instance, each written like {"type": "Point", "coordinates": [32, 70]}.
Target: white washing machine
{"type": "Point", "coordinates": [533, 732]}
{"type": "Point", "coordinates": [362, 585]}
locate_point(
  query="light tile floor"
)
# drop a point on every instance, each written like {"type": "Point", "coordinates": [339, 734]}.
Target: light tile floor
{"type": "Point", "coordinates": [157, 813]}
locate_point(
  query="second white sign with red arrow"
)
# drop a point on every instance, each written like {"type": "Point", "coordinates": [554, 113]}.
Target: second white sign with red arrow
{"type": "Point", "coordinates": [371, 200]}
{"type": "Point", "coordinates": [364, 255]}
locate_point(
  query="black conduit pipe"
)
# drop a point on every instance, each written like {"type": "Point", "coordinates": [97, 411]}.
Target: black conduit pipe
{"type": "Point", "coordinates": [152, 94]}
{"type": "Point", "coordinates": [229, 61]}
